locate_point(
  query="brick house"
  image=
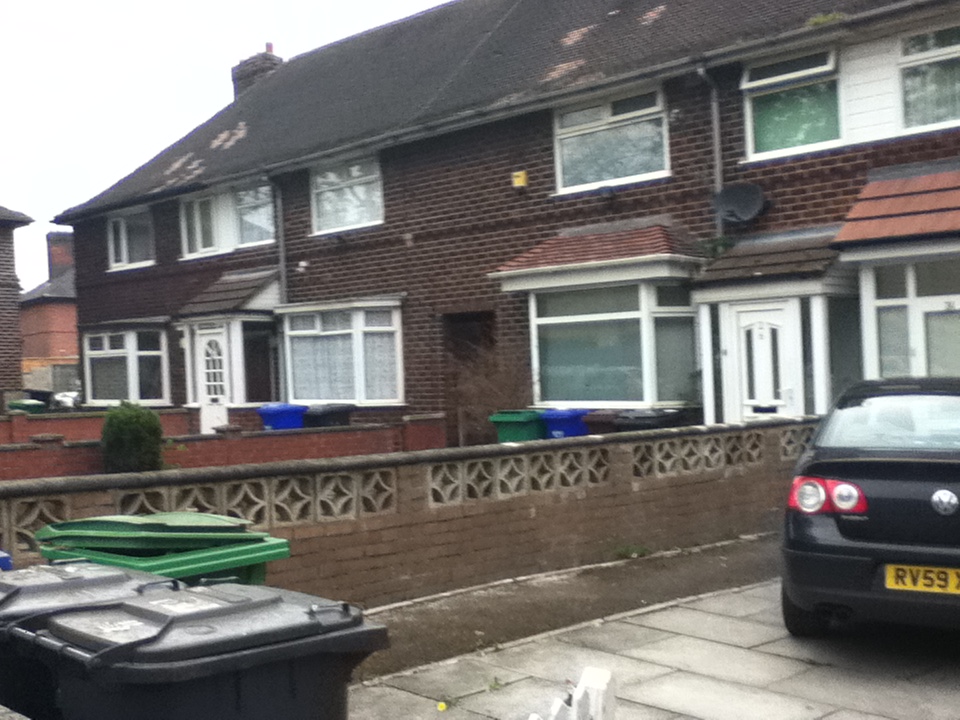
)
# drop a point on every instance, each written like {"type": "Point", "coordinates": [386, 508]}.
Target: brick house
{"type": "Point", "coordinates": [48, 323]}
{"type": "Point", "coordinates": [10, 379]}
{"type": "Point", "coordinates": [598, 204]}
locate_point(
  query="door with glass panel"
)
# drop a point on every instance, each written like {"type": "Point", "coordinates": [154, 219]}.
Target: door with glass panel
{"type": "Point", "coordinates": [763, 368]}
{"type": "Point", "coordinates": [213, 378]}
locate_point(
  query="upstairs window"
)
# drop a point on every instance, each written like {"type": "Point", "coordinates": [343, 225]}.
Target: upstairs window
{"type": "Point", "coordinates": [129, 365]}
{"type": "Point", "coordinates": [618, 142]}
{"type": "Point", "coordinates": [196, 217]}
{"type": "Point", "coordinates": [930, 73]}
{"type": "Point", "coordinates": [130, 240]}
{"type": "Point", "coordinates": [792, 104]}
{"type": "Point", "coordinates": [255, 215]}
{"type": "Point", "coordinates": [227, 220]}
{"type": "Point", "coordinates": [347, 196]}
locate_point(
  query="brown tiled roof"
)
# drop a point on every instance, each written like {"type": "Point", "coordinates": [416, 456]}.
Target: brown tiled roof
{"type": "Point", "coordinates": [766, 260]}
{"type": "Point", "coordinates": [603, 247]}
{"type": "Point", "coordinates": [904, 208]}
{"type": "Point", "coordinates": [229, 293]}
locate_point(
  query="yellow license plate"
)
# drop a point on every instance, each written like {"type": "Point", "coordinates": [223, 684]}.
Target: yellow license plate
{"type": "Point", "coordinates": [923, 579]}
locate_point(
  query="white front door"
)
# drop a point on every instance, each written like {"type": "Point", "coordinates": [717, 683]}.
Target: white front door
{"type": "Point", "coordinates": [212, 365]}
{"type": "Point", "coordinates": [762, 360]}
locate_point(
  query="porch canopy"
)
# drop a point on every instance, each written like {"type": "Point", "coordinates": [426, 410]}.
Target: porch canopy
{"type": "Point", "coordinates": [250, 290]}
{"type": "Point", "coordinates": [606, 253]}
{"type": "Point", "coordinates": [917, 206]}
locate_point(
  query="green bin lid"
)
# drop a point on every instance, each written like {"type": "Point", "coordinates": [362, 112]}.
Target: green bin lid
{"type": "Point", "coordinates": [515, 416]}
{"type": "Point", "coordinates": [200, 561]}
{"type": "Point", "coordinates": [160, 531]}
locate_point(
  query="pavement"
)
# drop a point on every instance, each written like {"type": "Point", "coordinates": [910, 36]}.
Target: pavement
{"type": "Point", "coordinates": [719, 655]}
{"type": "Point", "coordinates": [687, 634]}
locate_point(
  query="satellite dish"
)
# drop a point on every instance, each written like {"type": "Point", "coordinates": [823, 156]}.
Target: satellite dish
{"type": "Point", "coordinates": [740, 202]}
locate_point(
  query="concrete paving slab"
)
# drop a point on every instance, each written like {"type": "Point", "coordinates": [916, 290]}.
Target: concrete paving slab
{"type": "Point", "coordinates": [614, 637]}
{"type": "Point", "coordinates": [710, 626]}
{"type": "Point", "coordinates": [627, 710]}
{"type": "Point", "coordinates": [464, 676]}
{"type": "Point", "coordinates": [711, 699]}
{"type": "Point", "coordinates": [513, 702]}
{"type": "Point", "coordinates": [716, 660]}
{"type": "Point", "coordinates": [853, 715]}
{"type": "Point", "coordinates": [770, 616]}
{"type": "Point", "coordinates": [386, 703]}
{"type": "Point", "coordinates": [769, 591]}
{"type": "Point", "coordinates": [876, 693]}
{"type": "Point", "coordinates": [561, 662]}
{"type": "Point", "coordinates": [860, 652]}
{"type": "Point", "coordinates": [734, 604]}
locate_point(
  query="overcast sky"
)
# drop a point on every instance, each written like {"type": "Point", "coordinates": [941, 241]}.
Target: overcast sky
{"type": "Point", "coordinates": [92, 89]}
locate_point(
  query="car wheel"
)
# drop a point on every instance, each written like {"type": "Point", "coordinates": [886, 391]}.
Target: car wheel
{"type": "Point", "coordinates": [800, 622]}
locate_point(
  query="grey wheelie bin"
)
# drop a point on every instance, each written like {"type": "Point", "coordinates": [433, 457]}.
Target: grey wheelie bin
{"type": "Point", "coordinates": [27, 685]}
{"type": "Point", "coordinates": [229, 651]}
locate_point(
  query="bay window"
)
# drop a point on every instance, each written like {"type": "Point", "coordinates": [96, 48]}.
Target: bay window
{"type": "Point", "coordinates": [620, 346]}
{"type": "Point", "coordinates": [126, 365]}
{"type": "Point", "coordinates": [916, 318]}
{"type": "Point", "coordinates": [615, 142]}
{"type": "Point", "coordinates": [344, 354]}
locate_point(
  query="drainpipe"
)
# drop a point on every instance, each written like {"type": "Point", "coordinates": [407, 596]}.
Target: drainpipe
{"type": "Point", "coordinates": [281, 380]}
{"type": "Point", "coordinates": [717, 153]}
{"type": "Point", "coordinates": [281, 242]}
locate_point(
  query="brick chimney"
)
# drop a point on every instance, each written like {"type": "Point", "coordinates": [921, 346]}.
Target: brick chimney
{"type": "Point", "coordinates": [247, 72]}
{"type": "Point", "coordinates": [59, 253]}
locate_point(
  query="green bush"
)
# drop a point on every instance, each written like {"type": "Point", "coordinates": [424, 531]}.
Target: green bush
{"type": "Point", "coordinates": [131, 439]}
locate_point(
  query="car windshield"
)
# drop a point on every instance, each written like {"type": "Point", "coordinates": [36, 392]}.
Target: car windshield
{"type": "Point", "coordinates": [894, 422]}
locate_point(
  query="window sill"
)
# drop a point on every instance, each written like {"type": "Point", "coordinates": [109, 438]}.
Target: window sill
{"type": "Point", "coordinates": [794, 151]}
{"type": "Point", "coordinates": [131, 266]}
{"type": "Point", "coordinates": [345, 229]}
{"type": "Point", "coordinates": [115, 403]}
{"type": "Point", "coordinates": [601, 188]}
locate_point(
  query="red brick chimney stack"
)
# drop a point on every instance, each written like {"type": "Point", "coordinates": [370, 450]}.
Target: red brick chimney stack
{"type": "Point", "coordinates": [59, 253]}
{"type": "Point", "coordinates": [248, 72]}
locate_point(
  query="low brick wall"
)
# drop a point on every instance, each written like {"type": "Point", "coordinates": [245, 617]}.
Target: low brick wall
{"type": "Point", "coordinates": [383, 528]}
{"type": "Point", "coordinates": [19, 427]}
{"type": "Point", "coordinates": [50, 455]}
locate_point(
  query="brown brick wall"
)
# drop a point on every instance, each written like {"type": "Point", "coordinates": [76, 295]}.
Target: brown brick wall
{"type": "Point", "coordinates": [43, 454]}
{"type": "Point", "coordinates": [413, 545]}
{"type": "Point", "coordinates": [452, 217]}
{"type": "Point", "coordinates": [10, 343]}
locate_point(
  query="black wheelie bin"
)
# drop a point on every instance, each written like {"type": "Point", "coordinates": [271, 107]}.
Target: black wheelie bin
{"type": "Point", "coordinates": [228, 651]}
{"type": "Point", "coordinates": [27, 685]}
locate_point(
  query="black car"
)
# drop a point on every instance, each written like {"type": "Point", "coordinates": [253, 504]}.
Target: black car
{"type": "Point", "coordinates": [872, 526]}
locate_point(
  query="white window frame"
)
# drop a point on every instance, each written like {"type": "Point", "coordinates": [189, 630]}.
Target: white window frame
{"type": "Point", "coordinates": [916, 307]}
{"type": "Point", "coordinates": [131, 353]}
{"type": "Point", "coordinates": [607, 121]}
{"type": "Point", "coordinates": [357, 332]}
{"type": "Point", "coordinates": [118, 223]}
{"type": "Point", "coordinates": [375, 179]}
{"type": "Point", "coordinates": [225, 209]}
{"type": "Point", "coordinates": [645, 316]}
{"type": "Point", "coordinates": [918, 59]}
{"type": "Point", "coordinates": [239, 205]}
{"type": "Point", "coordinates": [828, 71]}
